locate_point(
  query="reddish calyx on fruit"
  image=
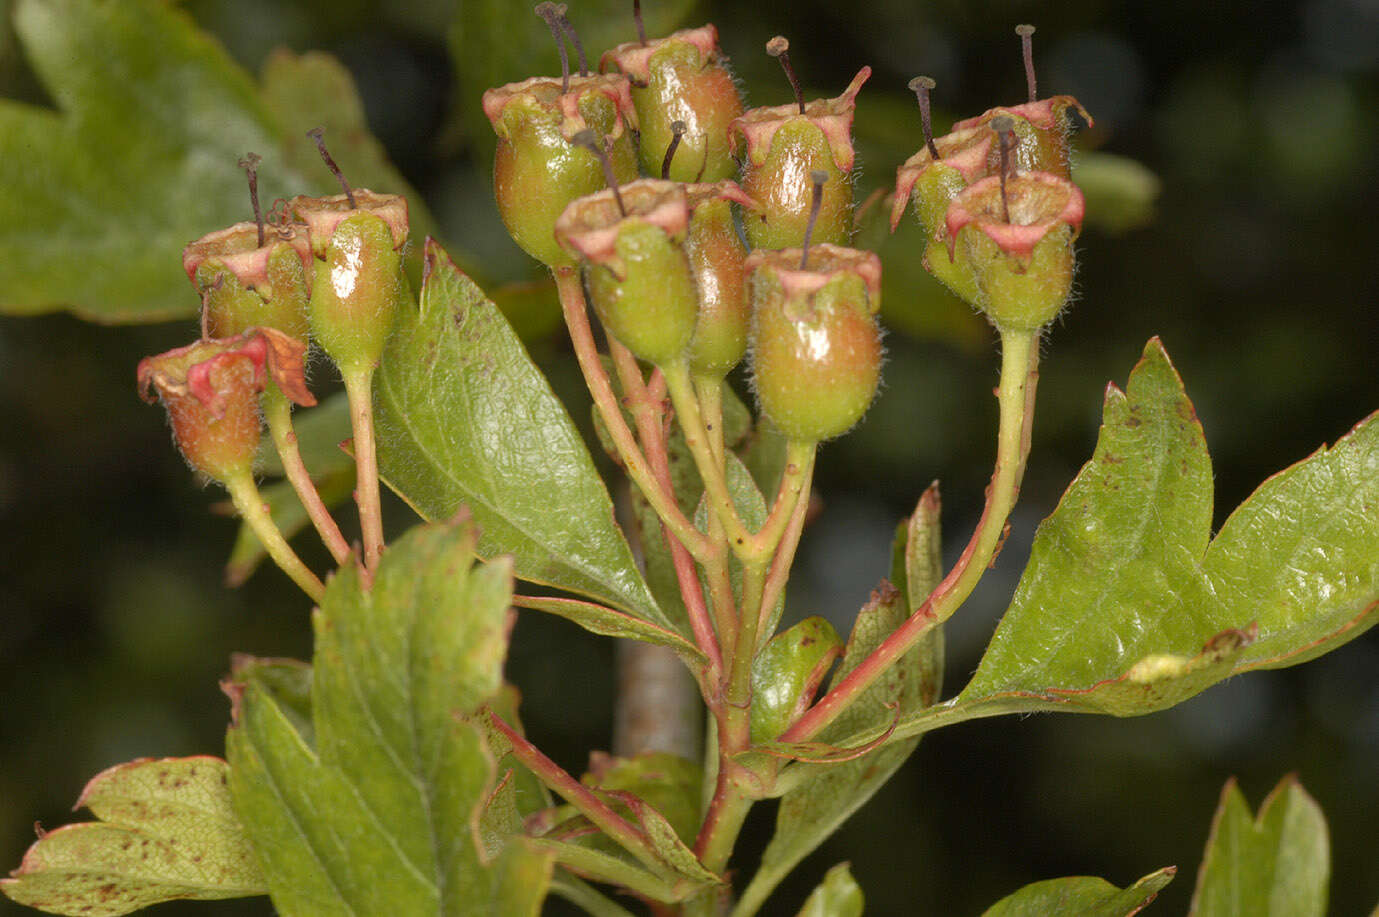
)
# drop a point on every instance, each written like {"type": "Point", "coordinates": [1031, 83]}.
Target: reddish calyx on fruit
{"type": "Point", "coordinates": [211, 391]}
{"type": "Point", "coordinates": [357, 280]}
{"type": "Point", "coordinates": [244, 284]}
{"type": "Point", "coordinates": [785, 143]}
{"type": "Point", "coordinates": [1016, 237]}
{"type": "Point", "coordinates": [717, 258]}
{"type": "Point", "coordinates": [250, 275]}
{"type": "Point", "coordinates": [631, 243]}
{"type": "Point", "coordinates": [682, 77]}
{"type": "Point", "coordinates": [815, 343]}
{"type": "Point", "coordinates": [1040, 124]}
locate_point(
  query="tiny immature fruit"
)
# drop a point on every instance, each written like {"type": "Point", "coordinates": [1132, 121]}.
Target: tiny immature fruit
{"type": "Point", "coordinates": [631, 242]}
{"type": "Point", "coordinates": [782, 145]}
{"type": "Point", "coordinates": [538, 169]}
{"type": "Point", "coordinates": [717, 258]}
{"type": "Point", "coordinates": [1016, 237]}
{"type": "Point", "coordinates": [211, 391]}
{"type": "Point", "coordinates": [681, 78]}
{"type": "Point", "coordinates": [815, 344]}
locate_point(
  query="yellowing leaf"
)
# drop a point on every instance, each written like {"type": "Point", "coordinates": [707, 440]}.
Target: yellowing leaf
{"type": "Point", "coordinates": [168, 830]}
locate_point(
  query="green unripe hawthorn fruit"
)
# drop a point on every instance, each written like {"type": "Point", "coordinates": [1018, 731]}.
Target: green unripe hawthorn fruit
{"type": "Point", "coordinates": [717, 259]}
{"type": "Point", "coordinates": [964, 157]}
{"type": "Point", "coordinates": [630, 240]}
{"type": "Point", "coordinates": [537, 169]}
{"type": "Point", "coordinates": [682, 77]}
{"type": "Point", "coordinates": [247, 284]}
{"type": "Point", "coordinates": [358, 282]}
{"type": "Point", "coordinates": [815, 343]}
{"type": "Point", "coordinates": [1017, 238]}
{"type": "Point", "coordinates": [782, 147]}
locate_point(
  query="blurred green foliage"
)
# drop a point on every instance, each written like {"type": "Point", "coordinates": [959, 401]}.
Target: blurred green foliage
{"type": "Point", "coordinates": [1255, 270]}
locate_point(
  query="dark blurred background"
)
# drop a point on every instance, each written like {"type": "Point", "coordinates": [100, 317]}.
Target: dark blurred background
{"type": "Point", "coordinates": [1255, 265]}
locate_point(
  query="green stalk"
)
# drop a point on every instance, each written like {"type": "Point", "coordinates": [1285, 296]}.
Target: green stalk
{"type": "Point", "coordinates": [244, 493]}
{"type": "Point", "coordinates": [277, 412]}
{"type": "Point", "coordinates": [687, 410]}
{"type": "Point", "coordinates": [709, 389]}
{"type": "Point", "coordinates": [359, 391]}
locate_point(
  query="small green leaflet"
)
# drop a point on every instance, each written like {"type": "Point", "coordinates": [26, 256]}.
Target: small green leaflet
{"type": "Point", "coordinates": [1276, 864]}
{"type": "Point", "coordinates": [1085, 896]}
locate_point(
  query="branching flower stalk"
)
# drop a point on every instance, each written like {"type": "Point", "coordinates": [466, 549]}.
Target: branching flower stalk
{"type": "Point", "coordinates": [635, 463]}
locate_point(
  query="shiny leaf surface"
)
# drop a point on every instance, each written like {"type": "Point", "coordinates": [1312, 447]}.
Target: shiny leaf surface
{"type": "Point", "coordinates": [98, 198]}
{"type": "Point", "coordinates": [466, 419]}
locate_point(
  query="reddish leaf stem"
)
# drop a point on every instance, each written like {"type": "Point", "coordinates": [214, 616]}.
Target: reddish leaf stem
{"type": "Point", "coordinates": [638, 469]}
{"type": "Point", "coordinates": [648, 414]}
{"type": "Point", "coordinates": [630, 837]}
{"type": "Point", "coordinates": [277, 412]}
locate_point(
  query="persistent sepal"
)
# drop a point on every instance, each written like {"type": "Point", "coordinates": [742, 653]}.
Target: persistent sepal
{"type": "Point", "coordinates": [635, 264]}
{"type": "Point", "coordinates": [1043, 130]}
{"type": "Point", "coordinates": [1016, 238]}
{"type": "Point", "coordinates": [247, 283]}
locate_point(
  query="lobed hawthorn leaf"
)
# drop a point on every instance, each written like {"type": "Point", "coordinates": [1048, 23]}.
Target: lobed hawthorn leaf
{"type": "Point", "coordinates": [168, 830]}
{"type": "Point", "coordinates": [838, 895]}
{"type": "Point", "coordinates": [98, 197]}
{"type": "Point", "coordinates": [1086, 896]}
{"type": "Point", "coordinates": [380, 814]}
{"type": "Point", "coordinates": [1128, 606]}
{"type": "Point", "coordinates": [1276, 864]}
{"type": "Point", "coordinates": [465, 418]}
{"type": "Point", "coordinates": [822, 797]}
